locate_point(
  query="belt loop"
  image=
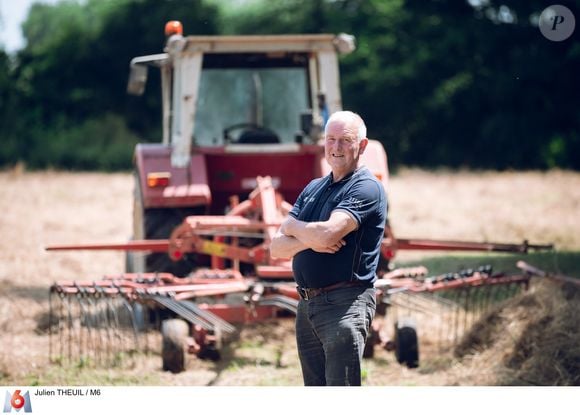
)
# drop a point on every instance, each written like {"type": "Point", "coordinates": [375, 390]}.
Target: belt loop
{"type": "Point", "coordinates": [302, 293]}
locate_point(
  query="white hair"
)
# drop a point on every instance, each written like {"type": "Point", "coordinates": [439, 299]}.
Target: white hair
{"type": "Point", "coordinates": [349, 116]}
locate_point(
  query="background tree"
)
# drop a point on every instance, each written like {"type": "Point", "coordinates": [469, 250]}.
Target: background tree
{"type": "Point", "coordinates": [71, 80]}
{"type": "Point", "coordinates": [440, 82]}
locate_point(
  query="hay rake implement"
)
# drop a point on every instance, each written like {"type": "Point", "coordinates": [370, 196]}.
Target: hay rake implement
{"type": "Point", "coordinates": [446, 305]}
{"type": "Point", "coordinates": [100, 322]}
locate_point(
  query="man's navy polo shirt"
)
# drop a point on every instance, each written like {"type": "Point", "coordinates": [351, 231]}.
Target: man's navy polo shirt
{"type": "Point", "coordinates": [363, 196]}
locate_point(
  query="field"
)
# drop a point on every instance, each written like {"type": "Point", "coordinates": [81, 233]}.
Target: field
{"type": "Point", "coordinates": [43, 208]}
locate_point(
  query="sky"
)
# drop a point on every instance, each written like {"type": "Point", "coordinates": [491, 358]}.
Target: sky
{"type": "Point", "coordinates": [12, 15]}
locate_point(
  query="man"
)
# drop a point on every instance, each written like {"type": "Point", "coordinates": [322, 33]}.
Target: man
{"type": "Point", "coordinates": [333, 233]}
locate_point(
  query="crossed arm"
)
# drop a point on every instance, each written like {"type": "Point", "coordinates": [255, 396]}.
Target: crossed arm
{"type": "Point", "coordinates": [325, 237]}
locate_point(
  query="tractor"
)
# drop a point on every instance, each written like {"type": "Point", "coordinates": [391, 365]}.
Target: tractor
{"type": "Point", "coordinates": [234, 108]}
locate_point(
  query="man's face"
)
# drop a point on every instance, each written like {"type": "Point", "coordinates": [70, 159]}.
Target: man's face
{"type": "Point", "coordinates": [341, 146]}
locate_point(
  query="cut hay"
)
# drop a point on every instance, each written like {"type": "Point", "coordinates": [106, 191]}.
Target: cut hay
{"type": "Point", "coordinates": [532, 339]}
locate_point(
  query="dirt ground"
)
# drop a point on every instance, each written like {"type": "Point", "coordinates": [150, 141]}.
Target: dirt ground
{"type": "Point", "coordinates": [43, 208]}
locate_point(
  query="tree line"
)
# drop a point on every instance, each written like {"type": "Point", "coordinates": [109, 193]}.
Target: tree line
{"type": "Point", "coordinates": [456, 83]}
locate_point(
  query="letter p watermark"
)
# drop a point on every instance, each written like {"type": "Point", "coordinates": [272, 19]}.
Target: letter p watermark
{"type": "Point", "coordinates": [557, 23]}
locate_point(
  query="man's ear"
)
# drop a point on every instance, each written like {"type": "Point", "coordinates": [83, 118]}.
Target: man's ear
{"type": "Point", "coordinates": [362, 145]}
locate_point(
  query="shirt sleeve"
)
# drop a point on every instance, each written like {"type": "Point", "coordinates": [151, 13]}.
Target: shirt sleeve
{"type": "Point", "coordinates": [301, 200]}
{"type": "Point", "coordinates": [363, 200]}
{"type": "Point", "coordinates": [295, 211]}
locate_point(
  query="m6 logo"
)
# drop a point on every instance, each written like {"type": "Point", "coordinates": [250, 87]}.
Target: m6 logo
{"type": "Point", "coordinates": [17, 401]}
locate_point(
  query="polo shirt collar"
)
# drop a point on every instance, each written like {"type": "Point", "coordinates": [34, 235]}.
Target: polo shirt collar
{"type": "Point", "coordinates": [347, 177]}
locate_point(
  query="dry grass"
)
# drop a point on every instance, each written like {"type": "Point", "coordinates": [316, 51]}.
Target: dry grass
{"type": "Point", "coordinates": [53, 207]}
{"type": "Point", "coordinates": [487, 206]}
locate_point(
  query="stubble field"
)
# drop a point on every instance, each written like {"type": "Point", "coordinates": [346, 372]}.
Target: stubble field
{"type": "Point", "coordinates": [43, 208]}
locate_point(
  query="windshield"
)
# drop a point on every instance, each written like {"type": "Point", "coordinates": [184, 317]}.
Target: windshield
{"type": "Point", "coordinates": [267, 97]}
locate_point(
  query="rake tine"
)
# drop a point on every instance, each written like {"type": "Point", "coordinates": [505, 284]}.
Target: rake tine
{"type": "Point", "coordinates": [69, 328]}
{"type": "Point", "coordinates": [445, 306]}
{"type": "Point", "coordinates": [466, 308]}
{"type": "Point", "coordinates": [81, 331]}
{"type": "Point", "coordinates": [439, 321]}
{"type": "Point", "coordinates": [209, 316]}
{"type": "Point", "coordinates": [514, 289]}
{"type": "Point", "coordinates": [504, 293]}
{"type": "Point", "coordinates": [146, 312]}
{"type": "Point", "coordinates": [107, 326]}
{"type": "Point", "coordinates": [181, 310]}
{"type": "Point", "coordinates": [450, 318]}
{"type": "Point", "coordinates": [88, 323]}
{"type": "Point", "coordinates": [444, 319]}
{"type": "Point", "coordinates": [281, 301]}
{"type": "Point", "coordinates": [407, 306]}
{"type": "Point", "coordinates": [78, 297]}
{"type": "Point", "coordinates": [121, 327]}
{"type": "Point", "coordinates": [60, 325]}
{"type": "Point", "coordinates": [100, 340]}
{"type": "Point", "coordinates": [471, 300]}
{"type": "Point", "coordinates": [475, 297]}
{"type": "Point", "coordinates": [92, 323]}
{"type": "Point", "coordinates": [478, 307]}
{"type": "Point", "coordinates": [76, 327]}
{"type": "Point", "coordinates": [456, 315]}
{"type": "Point", "coordinates": [118, 328]}
{"type": "Point", "coordinates": [419, 302]}
{"type": "Point", "coordinates": [496, 295]}
{"type": "Point", "coordinates": [487, 300]}
{"type": "Point", "coordinates": [111, 328]}
{"type": "Point", "coordinates": [125, 325]}
{"type": "Point", "coordinates": [519, 288]}
{"type": "Point", "coordinates": [490, 298]}
{"type": "Point", "coordinates": [104, 318]}
{"type": "Point", "coordinates": [133, 320]}
{"type": "Point", "coordinates": [50, 315]}
{"type": "Point", "coordinates": [81, 296]}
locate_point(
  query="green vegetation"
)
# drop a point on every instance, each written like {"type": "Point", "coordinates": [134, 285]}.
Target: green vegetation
{"type": "Point", "coordinates": [441, 83]}
{"type": "Point", "coordinates": [79, 374]}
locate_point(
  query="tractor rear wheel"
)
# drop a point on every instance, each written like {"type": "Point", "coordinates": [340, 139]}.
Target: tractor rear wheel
{"type": "Point", "coordinates": [406, 342]}
{"type": "Point", "coordinates": [174, 333]}
{"type": "Point", "coordinates": [157, 223]}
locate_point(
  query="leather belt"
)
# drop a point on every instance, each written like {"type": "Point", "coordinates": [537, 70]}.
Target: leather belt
{"type": "Point", "coordinates": [309, 293]}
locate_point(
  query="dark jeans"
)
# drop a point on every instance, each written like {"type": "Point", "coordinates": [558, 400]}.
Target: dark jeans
{"type": "Point", "coordinates": [331, 330]}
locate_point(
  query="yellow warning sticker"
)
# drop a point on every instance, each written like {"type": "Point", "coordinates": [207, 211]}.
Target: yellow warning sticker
{"type": "Point", "coordinates": [214, 248]}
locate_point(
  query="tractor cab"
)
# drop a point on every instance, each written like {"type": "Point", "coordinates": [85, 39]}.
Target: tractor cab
{"type": "Point", "coordinates": [234, 108]}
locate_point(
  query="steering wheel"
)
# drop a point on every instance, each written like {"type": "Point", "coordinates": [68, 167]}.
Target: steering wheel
{"type": "Point", "coordinates": [252, 134]}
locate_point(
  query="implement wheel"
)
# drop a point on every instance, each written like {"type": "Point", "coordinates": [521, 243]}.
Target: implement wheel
{"type": "Point", "coordinates": [406, 343]}
{"type": "Point", "coordinates": [174, 333]}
